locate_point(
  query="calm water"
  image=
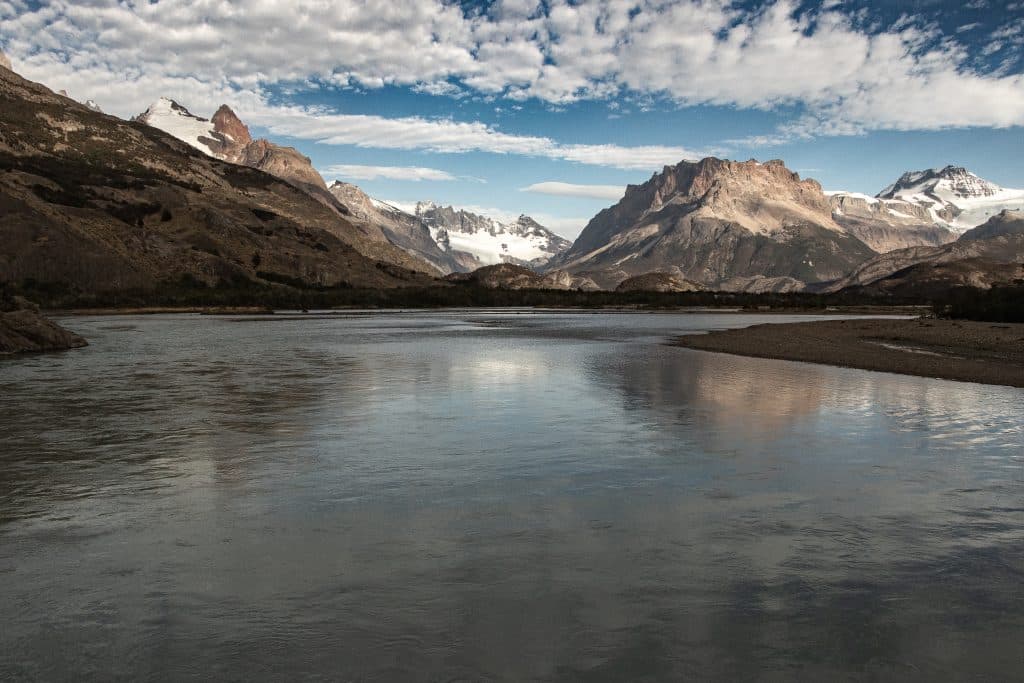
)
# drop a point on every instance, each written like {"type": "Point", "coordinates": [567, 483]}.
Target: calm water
{"type": "Point", "coordinates": [497, 496]}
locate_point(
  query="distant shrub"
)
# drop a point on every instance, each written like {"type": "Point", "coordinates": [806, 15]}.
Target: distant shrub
{"type": "Point", "coordinates": [1002, 303]}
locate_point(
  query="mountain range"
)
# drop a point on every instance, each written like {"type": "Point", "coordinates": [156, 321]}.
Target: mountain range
{"type": "Point", "coordinates": [752, 226]}
{"type": "Point", "coordinates": [449, 239]}
{"type": "Point", "coordinates": [93, 203]}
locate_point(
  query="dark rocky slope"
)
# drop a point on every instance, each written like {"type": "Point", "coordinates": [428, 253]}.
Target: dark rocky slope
{"type": "Point", "coordinates": [988, 255]}
{"type": "Point", "coordinates": [90, 204]}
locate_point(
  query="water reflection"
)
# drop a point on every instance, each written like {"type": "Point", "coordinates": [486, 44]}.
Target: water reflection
{"type": "Point", "coordinates": [497, 496]}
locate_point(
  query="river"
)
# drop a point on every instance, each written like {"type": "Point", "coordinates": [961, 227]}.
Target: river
{"type": "Point", "coordinates": [497, 495]}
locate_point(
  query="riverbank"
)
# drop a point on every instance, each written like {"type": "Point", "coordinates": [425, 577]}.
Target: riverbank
{"type": "Point", "coordinates": [342, 310]}
{"type": "Point", "coordinates": [989, 353]}
{"type": "Point", "coordinates": [162, 310]}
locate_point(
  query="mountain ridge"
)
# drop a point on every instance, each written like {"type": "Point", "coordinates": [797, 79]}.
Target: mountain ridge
{"type": "Point", "coordinates": [722, 224]}
{"type": "Point", "coordinates": [92, 205]}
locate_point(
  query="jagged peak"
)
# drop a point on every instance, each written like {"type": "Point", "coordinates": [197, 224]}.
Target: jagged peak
{"type": "Point", "coordinates": [225, 121]}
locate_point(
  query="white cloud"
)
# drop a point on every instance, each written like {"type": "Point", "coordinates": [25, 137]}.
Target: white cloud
{"type": "Point", "coordinates": [360, 172]}
{"type": "Point", "coordinates": [691, 51]}
{"type": "Point", "coordinates": [443, 135]}
{"type": "Point", "coordinates": [552, 187]}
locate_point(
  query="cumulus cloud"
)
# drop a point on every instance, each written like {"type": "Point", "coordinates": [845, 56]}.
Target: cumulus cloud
{"type": "Point", "coordinates": [442, 135]}
{"type": "Point", "coordinates": [360, 172]}
{"type": "Point", "coordinates": [553, 187]}
{"type": "Point", "coordinates": [834, 66]}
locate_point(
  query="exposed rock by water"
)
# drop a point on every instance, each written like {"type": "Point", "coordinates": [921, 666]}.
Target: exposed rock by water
{"type": "Point", "coordinates": [23, 329]}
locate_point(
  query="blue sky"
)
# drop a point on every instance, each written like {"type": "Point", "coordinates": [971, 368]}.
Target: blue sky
{"type": "Point", "coordinates": [550, 108]}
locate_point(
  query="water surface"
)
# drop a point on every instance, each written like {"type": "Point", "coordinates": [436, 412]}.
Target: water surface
{"type": "Point", "coordinates": [497, 495]}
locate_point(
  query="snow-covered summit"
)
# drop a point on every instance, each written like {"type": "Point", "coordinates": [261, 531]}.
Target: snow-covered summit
{"type": "Point", "coordinates": [954, 196]}
{"type": "Point", "coordinates": [954, 181]}
{"type": "Point", "coordinates": [489, 241]}
{"type": "Point", "coordinates": [173, 118]}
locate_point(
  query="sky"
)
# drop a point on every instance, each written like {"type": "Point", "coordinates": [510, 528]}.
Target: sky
{"type": "Point", "coordinates": [552, 107]}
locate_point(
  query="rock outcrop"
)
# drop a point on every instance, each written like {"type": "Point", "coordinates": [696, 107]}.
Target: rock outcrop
{"type": "Point", "coordinates": [512, 276]}
{"type": "Point", "coordinates": [24, 330]}
{"type": "Point", "coordinates": [718, 223]}
{"type": "Point", "coordinates": [225, 137]}
{"type": "Point", "coordinates": [657, 282]}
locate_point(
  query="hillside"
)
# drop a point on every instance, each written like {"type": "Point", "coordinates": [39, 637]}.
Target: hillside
{"type": "Point", "coordinates": [90, 203]}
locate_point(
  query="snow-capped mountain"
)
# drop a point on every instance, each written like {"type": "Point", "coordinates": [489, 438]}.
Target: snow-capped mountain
{"type": "Point", "coordinates": [953, 196]}
{"type": "Point", "coordinates": [171, 117]}
{"type": "Point", "coordinates": [225, 137]}
{"type": "Point", "coordinates": [476, 240]}
{"type": "Point", "coordinates": [401, 228]}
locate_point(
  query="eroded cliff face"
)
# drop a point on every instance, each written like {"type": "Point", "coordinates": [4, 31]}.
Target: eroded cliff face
{"type": "Point", "coordinates": [888, 224]}
{"type": "Point", "coordinates": [721, 224]}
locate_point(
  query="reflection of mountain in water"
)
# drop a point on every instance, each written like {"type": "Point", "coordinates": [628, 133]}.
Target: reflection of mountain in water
{"type": "Point", "coordinates": [723, 394]}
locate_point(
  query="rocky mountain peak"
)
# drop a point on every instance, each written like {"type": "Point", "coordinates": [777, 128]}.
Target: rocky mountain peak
{"type": "Point", "coordinates": [227, 123]}
{"type": "Point", "coordinates": [727, 224]}
{"type": "Point", "coordinates": [352, 196]}
{"type": "Point", "coordinates": [227, 138]}
{"type": "Point", "coordinates": [956, 181]}
{"type": "Point", "coordinates": [734, 190]}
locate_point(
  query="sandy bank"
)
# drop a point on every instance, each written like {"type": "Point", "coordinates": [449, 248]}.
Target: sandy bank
{"type": "Point", "coordinates": [989, 353]}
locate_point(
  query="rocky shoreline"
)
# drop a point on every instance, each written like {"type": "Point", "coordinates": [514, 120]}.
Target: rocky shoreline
{"type": "Point", "coordinates": [988, 353]}
{"type": "Point", "coordinates": [24, 330]}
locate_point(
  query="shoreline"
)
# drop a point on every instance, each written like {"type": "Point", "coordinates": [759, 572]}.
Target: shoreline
{"type": "Point", "coordinates": [878, 310]}
{"type": "Point", "coordinates": [958, 350]}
